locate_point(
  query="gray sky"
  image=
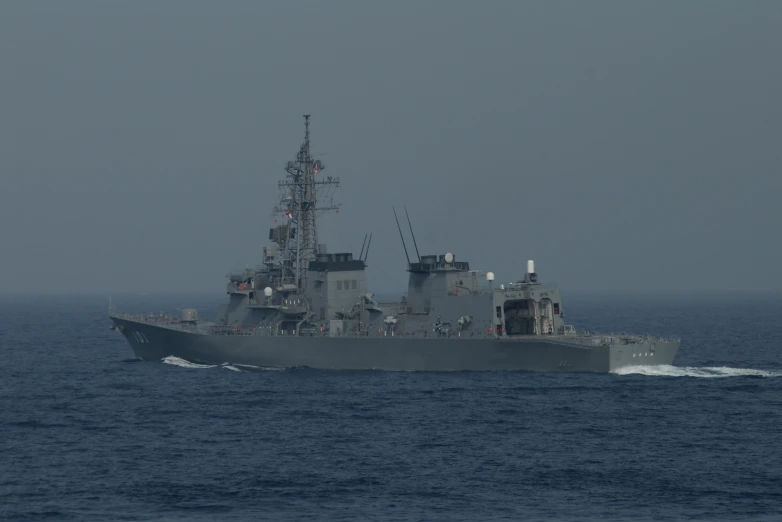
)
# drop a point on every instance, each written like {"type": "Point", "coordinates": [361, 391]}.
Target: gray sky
{"type": "Point", "coordinates": [622, 145]}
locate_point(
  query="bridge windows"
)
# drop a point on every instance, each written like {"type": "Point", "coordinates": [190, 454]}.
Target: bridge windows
{"type": "Point", "coordinates": [347, 284]}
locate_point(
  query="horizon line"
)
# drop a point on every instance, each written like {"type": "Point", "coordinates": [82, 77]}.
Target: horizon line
{"type": "Point", "coordinates": [203, 292]}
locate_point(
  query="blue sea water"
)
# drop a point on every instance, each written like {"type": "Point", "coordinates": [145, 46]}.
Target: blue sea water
{"type": "Point", "coordinates": [89, 433]}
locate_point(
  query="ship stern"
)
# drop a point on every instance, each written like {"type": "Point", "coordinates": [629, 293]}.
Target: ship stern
{"type": "Point", "coordinates": [650, 353]}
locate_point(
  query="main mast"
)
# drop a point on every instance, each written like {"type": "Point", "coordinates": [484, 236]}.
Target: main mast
{"type": "Point", "coordinates": [300, 193]}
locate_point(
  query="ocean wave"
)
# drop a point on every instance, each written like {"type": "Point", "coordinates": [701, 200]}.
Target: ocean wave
{"type": "Point", "coordinates": [664, 370]}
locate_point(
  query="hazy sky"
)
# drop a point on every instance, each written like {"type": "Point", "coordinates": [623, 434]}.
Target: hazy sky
{"type": "Point", "coordinates": [622, 145]}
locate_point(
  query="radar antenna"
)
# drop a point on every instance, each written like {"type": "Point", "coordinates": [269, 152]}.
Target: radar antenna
{"type": "Point", "coordinates": [366, 254]}
{"type": "Point", "coordinates": [298, 203]}
{"type": "Point", "coordinates": [412, 234]}
{"type": "Point", "coordinates": [361, 255]}
{"type": "Point", "coordinates": [401, 236]}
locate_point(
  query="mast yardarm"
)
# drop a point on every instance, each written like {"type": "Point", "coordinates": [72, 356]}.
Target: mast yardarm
{"type": "Point", "coordinates": [300, 192]}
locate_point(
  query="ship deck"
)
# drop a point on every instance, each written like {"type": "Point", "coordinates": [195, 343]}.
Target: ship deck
{"type": "Point", "coordinates": [578, 338]}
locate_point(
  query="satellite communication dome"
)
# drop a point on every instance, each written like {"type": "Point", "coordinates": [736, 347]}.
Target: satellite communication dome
{"type": "Point", "coordinates": [189, 315]}
{"type": "Point", "coordinates": [267, 291]}
{"type": "Point", "coordinates": [490, 276]}
{"type": "Point", "coordinates": [449, 258]}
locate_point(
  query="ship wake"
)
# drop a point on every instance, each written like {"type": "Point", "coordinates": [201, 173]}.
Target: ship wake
{"type": "Point", "coordinates": [176, 361]}
{"type": "Point", "coordinates": [664, 370]}
{"type": "Point", "coordinates": [184, 363]}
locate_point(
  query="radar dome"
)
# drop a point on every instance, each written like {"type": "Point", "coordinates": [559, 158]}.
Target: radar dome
{"type": "Point", "coordinates": [490, 276]}
{"type": "Point", "coordinates": [449, 258]}
{"type": "Point", "coordinates": [267, 291]}
{"type": "Point", "coordinates": [530, 266]}
{"type": "Point", "coordinates": [189, 315]}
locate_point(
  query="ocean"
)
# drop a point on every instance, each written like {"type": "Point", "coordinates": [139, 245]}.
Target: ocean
{"type": "Point", "coordinates": [88, 433]}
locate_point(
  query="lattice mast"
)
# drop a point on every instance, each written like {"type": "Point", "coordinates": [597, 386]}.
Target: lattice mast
{"type": "Point", "coordinates": [300, 193]}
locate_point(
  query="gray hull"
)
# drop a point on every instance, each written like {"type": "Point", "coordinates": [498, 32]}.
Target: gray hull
{"type": "Point", "coordinates": [533, 353]}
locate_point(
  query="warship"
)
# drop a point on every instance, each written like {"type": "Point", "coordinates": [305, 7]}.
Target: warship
{"type": "Point", "coordinates": [304, 306]}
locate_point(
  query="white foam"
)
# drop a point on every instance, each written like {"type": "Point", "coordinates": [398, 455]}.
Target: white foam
{"type": "Point", "coordinates": [665, 370]}
{"type": "Point", "coordinates": [250, 367]}
{"type": "Point", "coordinates": [183, 363]}
{"type": "Point", "coordinates": [176, 361]}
